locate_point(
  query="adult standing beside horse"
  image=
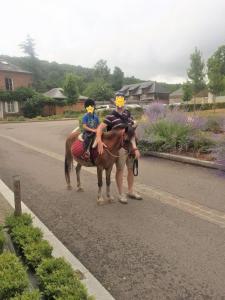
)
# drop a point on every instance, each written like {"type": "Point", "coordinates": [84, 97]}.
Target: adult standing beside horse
{"type": "Point", "coordinates": [117, 119]}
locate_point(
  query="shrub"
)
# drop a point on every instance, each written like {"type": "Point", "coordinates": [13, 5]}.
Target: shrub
{"type": "Point", "coordinates": [34, 295]}
{"type": "Point", "coordinates": [2, 239]}
{"type": "Point", "coordinates": [155, 111]}
{"type": "Point", "coordinates": [13, 277]}
{"type": "Point", "coordinates": [201, 142]}
{"type": "Point", "coordinates": [35, 252]}
{"type": "Point", "coordinates": [169, 136]}
{"type": "Point", "coordinates": [13, 221]}
{"type": "Point", "coordinates": [57, 279]}
{"type": "Point", "coordinates": [23, 235]}
{"type": "Point", "coordinates": [215, 124]}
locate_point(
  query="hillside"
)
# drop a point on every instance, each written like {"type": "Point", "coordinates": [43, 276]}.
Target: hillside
{"type": "Point", "coordinates": [48, 75]}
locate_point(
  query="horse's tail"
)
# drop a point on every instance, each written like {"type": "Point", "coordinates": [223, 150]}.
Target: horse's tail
{"type": "Point", "coordinates": [68, 163]}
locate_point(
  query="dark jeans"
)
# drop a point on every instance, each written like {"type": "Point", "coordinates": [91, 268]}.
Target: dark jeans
{"type": "Point", "coordinates": [88, 138]}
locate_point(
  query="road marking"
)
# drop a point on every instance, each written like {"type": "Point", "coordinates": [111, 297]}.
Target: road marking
{"type": "Point", "coordinates": [211, 215]}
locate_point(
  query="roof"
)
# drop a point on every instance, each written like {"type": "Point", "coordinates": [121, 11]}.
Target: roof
{"type": "Point", "coordinates": [6, 66]}
{"type": "Point", "coordinates": [177, 93]}
{"type": "Point", "coordinates": [150, 86]}
{"type": "Point", "coordinates": [56, 93]}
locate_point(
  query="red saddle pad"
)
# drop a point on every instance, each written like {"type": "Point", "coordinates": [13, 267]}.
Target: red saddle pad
{"type": "Point", "coordinates": [77, 148]}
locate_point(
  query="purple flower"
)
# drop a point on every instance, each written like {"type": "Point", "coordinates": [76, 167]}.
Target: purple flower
{"type": "Point", "coordinates": [155, 111]}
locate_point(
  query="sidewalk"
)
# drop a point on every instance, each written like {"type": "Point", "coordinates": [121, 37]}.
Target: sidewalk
{"type": "Point", "coordinates": [5, 209]}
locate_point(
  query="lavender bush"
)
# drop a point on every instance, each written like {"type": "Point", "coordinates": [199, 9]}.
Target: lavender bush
{"type": "Point", "coordinates": [155, 111]}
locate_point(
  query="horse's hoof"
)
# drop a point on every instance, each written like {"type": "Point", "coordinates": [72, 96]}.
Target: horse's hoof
{"type": "Point", "coordinates": [101, 201]}
{"type": "Point", "coordinates": [69, 187]}
{"type": "Point", "coordinates": [110, 199]}
{"type": "Point", "coordinates": [80, 189]}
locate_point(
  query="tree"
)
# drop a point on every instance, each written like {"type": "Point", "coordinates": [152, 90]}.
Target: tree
{"type": "Point", "coordinates": [216, 72]}
{"type": "Point", "coordinates": [99, 90]}
{"type": "Point", "coordinates": [101, 70]}
{"type": "Point", "coordinates": [117, 79]}
{"type": "Point", "coordinates": [28, 47]}
{"type": "Point", "coordinates": [187, 91]}
{"type": "Point", "coordinates": [196, 72]}
{"type": "Point", "coordinates": [70, 87]}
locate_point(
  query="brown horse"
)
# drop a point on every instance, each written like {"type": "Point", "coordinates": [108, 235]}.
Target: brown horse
{"type": "Point", "coordinates": [114, 141]}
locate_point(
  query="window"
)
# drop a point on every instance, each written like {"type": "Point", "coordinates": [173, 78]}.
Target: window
{"type": "Point", "coordinates": [9, 84]}
{"type": "Point", "coordinates": [11, 107]}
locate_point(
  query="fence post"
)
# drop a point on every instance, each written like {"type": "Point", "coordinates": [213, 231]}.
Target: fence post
{"type": "Point", "coordinates": [17, 195]}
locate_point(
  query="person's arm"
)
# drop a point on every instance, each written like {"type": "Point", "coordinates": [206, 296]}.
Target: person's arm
{"type": "Point", "coordinates": [85, 127]}
{"type": "Point", "coordinates": [99, 131]}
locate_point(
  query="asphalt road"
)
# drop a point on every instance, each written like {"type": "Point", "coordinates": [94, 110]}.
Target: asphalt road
{"type": "Point", "coordinates": [147, 249]}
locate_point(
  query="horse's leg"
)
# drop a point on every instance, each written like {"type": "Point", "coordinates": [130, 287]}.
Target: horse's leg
{"type": "Point", "coordinates": [78, 168]}
{"type": "Point", "coordinates": [108, 183]}
{"type": "Point", "coordinates": [100, 199]}
{"type": "Point", "coordinates": [67, 164]}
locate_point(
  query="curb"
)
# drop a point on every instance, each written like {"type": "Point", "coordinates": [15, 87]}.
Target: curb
{"type": "Point", "coordinates": [187, 160]}
{"type": "Point", "coordinates": [94, 287]}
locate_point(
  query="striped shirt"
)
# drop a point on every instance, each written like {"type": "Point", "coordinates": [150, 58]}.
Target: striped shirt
{"type": "Point", "coordinates": [117, 120]}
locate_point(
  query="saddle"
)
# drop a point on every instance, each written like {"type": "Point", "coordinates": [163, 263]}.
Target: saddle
{"type": "Point", "coordinates": [78, 151]}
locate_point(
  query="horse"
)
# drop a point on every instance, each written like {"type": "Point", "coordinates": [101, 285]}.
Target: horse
{"type": "Point", "coordinates": [114, 141]}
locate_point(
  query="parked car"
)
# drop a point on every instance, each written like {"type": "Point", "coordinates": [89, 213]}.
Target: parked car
{"type": "Point", "coordinates": [102, 107]}
{"type": "Point", "coordinates": [133, 106]}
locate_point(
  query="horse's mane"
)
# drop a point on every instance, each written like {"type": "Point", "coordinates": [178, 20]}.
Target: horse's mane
{"type": "Point", "coordinates": [111, 134]}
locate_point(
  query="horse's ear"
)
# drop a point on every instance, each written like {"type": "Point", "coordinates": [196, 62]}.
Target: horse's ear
{"type": "Point", "coordinates": [135, 125]}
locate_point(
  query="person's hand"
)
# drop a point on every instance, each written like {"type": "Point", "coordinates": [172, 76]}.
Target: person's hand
{"type": "Point", "coordinates": [101, 146]}
{"type": "Point", "coordinates": [137, 154]}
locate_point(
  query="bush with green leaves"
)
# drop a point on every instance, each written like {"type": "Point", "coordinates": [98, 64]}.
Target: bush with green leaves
{"type": "Point", "coordinates": [14, 221]}
{"type": "Point", "coordinates": [167, 136]}
{"type": "Point", "coordinates": [215, 124]}
{"type": "Point", "coordinates": [35, 252]}
{"type": "Point", "coordinates": [24, 235]}
{"type": "Point", "coordinates": [34, 295]}
{"type": "Point", "coordinates": [13, 277]}
{"type": "Point", "coordinates": [58, 280]}
{"type": "Point", "coordinates": [2, 239]}
{"type": "Point", "coordinates": [201, 142]}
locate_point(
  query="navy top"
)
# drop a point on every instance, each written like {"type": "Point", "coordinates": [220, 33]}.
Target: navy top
{"type": "Point", "coordinates": [91, 120]}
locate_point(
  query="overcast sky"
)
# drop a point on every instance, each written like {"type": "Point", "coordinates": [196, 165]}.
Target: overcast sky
{"type": "Point", "coordinates": [150, 39]}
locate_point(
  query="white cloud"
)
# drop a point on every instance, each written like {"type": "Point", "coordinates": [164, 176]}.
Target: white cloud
{"type": "Point", "coordinates": [147, 38]}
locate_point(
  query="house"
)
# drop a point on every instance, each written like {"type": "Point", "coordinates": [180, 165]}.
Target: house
{"type": "Point", "coordinates": [11, 78]}
{"type": "Point", "coordinates": [145, 92]}
{"type": "Point", "coordinates": [176, 96]}
{"type": "Point", "coordinates": [59, 109]}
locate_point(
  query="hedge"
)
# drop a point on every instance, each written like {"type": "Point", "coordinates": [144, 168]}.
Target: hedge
{"type": "Point", "coordinates": [12, 221]}
{"type": "Point", "coordinates": [23, 235]}
{"type": "Point", "coordinates": [34, 295]}
{"type": "Point", "coordinates": [35, 252]}
{"type": "Point", "coordinates": [13, 277]}
{"type": "Point", "coordinates": [58, 280]}
{"type": "Point", "coordinates": [2, 239]}
{"type": "Point", "coordinates": [206, 106]}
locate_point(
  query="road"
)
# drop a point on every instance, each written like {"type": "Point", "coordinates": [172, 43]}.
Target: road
{"type": "Point", "coordinates": [171, 245]}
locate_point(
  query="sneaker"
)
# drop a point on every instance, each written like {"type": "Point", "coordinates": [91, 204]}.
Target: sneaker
{"type": "Point", "coordinates": [135, 196]}
{"type": "Point", "coordinates": [122, 199]}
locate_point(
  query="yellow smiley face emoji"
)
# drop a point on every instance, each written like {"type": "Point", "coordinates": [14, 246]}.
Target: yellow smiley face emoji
{"type": "Point", "coordinates": [90, 109]}
{"type": "Point", "coordinates": [120, 101]}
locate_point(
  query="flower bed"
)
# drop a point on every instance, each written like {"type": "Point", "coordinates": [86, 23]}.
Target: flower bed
{"type": "Point", "coordinates": [56, 278]}
{"type": "Point", "coordinates": [178, 132]}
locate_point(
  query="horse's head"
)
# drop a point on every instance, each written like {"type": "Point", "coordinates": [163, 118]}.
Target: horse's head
{"type": "Point", "coordinates": [129, 141]}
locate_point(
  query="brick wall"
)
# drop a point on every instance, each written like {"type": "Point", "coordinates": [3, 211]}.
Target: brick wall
{"type": "Point", "coordinates": [19, 79]}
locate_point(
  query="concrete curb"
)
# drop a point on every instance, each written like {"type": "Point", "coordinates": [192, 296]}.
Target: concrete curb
{"type": "Point", "coordinates": [187, 160]}
{"type": "Point", "coordinates": [94, 287]}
